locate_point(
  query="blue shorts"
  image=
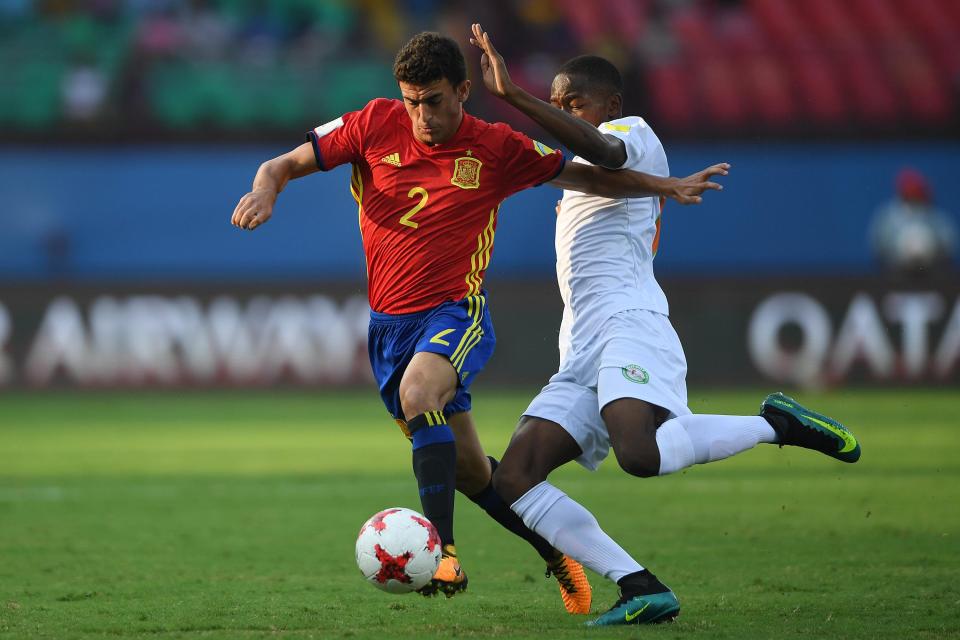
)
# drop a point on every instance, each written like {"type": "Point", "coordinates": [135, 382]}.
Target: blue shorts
{"type": "Point", "coordinates": [462, 331]}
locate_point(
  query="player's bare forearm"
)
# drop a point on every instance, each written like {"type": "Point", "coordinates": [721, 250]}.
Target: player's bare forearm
{"type": "Point", "coordinates": [274, 174]}
{"type": "Point", "coordinates": [578, 135]}
{"type": "Point", "coordinates": [256, 207]}
{"type": "Point", "coordinates": [633, 184]}
{"type": "Point", "coordinates": [610, 184]}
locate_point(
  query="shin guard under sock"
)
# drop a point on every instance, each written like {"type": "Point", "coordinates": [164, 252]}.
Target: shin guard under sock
{"type": "Point", "coordinates": [491, 502]}
{"type": "Point", "coordinates": [434, 465]}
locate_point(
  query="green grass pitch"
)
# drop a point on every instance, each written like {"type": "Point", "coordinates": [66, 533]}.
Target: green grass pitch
{"type": "Point", "coordinates": [234, 515]}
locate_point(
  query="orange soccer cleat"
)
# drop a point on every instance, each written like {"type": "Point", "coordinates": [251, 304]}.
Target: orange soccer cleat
{"type": "Point", "coordinates": [574, 586]}
{"type": "Point", "coordinates": [449, 578]}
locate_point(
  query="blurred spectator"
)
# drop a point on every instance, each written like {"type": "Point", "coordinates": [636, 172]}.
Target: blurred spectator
{"type": "Point", "coordinates": [695, 68]}
{"type": "Point", "coordinates": [84, 92]}
{"type": "Point", "coordinates": [910, 236]}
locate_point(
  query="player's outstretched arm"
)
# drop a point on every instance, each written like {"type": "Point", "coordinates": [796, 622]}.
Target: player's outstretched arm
{"type": "Point", "coordinates": [578, 135]}
{"type": "Point", "coordinates": [256, 207]}
{"type": "Point", "coordinates": [633, 184]}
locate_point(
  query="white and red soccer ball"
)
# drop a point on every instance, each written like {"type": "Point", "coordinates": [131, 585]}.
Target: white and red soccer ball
{"type": "Point", "coordinates": [398, 550]}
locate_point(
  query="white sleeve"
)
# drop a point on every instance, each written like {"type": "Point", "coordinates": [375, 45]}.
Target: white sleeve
{"type": "Point", "coordinates": [631, 135]}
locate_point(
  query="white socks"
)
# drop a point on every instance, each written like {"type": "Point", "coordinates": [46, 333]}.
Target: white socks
{"type": "Point", "coordinates": [683, 442]}
{"type": "Point", "coordinates": [573, 530]}
{"type": "Point", "coordinates": [698, 439]}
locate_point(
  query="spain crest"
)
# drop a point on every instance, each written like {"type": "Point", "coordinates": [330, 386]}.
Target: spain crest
{"type": "Point", "coordinates": [466, 173]}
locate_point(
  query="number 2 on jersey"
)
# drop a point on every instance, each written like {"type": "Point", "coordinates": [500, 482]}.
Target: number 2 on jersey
{"type": "Point", "coordinates": [407, 218]}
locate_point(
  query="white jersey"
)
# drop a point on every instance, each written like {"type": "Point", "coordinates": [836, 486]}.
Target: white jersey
{"type": "Point", "coordinates": [605, 247]}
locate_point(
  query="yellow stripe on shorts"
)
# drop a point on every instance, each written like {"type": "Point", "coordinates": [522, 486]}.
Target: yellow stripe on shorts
{"type": "Point", "coordinates": [475, 305]}
{"type": "Point", "coordinates": [475, 337]}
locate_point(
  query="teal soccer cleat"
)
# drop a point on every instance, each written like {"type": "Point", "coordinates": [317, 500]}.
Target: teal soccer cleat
{"type": "Point", "coordinates": [648, 609]}
{"type": "Point", "coordinates": [798, 426]}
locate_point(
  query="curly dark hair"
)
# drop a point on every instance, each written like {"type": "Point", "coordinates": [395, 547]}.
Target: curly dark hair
{"type": "Point", "coordinates": [428, 57]}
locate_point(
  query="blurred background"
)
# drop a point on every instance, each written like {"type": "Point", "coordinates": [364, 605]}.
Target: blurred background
{"type": "Point", "coordinates": [828, 267]}
{"type": "Point", "coordinates": [130, 128]}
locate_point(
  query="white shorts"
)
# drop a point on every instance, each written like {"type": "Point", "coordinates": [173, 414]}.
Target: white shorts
{"type": "Point", "coordinates": [637, 355]}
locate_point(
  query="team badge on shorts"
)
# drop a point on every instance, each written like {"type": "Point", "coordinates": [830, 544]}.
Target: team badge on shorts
{"type": "Point", "coordinates": [635, 373]}
{"type": "Point", "coordinates": [466, 173]}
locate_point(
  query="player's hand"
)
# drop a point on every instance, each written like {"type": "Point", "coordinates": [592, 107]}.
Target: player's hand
{"type": "Point", "coordinates": [254, 209]}
{"type": "Point", "coordinates": [495, 76]}
{"type": "Point", "coordinates": [688, 190]}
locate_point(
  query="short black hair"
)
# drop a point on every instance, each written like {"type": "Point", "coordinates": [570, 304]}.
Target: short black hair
{"type": "Point", "coordinates": [595, 72]}
{"type": "Point", "coordinates": [428, 57]}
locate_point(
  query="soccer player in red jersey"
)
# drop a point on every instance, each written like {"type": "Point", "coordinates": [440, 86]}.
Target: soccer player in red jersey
{"type": "Point", "coordinates": [429, 179]}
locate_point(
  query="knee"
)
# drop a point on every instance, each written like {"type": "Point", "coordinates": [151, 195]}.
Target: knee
{"type": "Point", "coordinates": [640, 464]}
{"type": "Point", "coordinates": [416, 398]}
{"type": "Point", "coordinates": [632, 425]}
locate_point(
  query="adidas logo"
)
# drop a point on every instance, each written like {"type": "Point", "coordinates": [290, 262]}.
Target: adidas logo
{"type": "Point", "coordinates": [393, 158]}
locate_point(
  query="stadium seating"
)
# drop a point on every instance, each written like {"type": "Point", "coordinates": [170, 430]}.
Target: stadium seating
{"type": "Point", "coordinates": [875, 67]}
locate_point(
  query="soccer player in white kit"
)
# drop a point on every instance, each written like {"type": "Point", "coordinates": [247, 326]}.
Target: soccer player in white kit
{"type": "Point", "coordinates": [622, 377]}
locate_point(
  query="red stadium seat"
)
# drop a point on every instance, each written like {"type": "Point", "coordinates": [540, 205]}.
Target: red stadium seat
{"type": "Point", "coordinates": [694, 32]}
{"type": "Point", "coordinates": [833, 24]}
{"type": "Point", "coordinates": [592, 23]}
{"type": "Point", "coordinates": [768, 88]}
{"type": "Point", "coordinates": [721, 92]}
{"type": "Point", "coordinates": [952, 9]}
{"type": "Point", "coordinates": [671, 99]}
{"type": "Point", "coordinates": [935, 32]}
{"type": "Point", "coordinates": [763, 78]}
{"type": "Point", "coordinates": [783, 26]}
{"type": "Point", "coordinates": [871, 92]}
{"type": "Point", "coordinates": [819, 89]}
{"type": "Point", "coordinates": [741, 36]}
{"type": "Point", "coordinates": [584, 21]}
{"type": "Point", "coordinates": [628, 18]}
{"type": "Point", "coordinates": [925, 93]}
{"type": "Point", "coordinates": [879, 21]}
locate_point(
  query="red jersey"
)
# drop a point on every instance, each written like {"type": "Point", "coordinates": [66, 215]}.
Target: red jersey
{"type": "Point", "coordinates": [428, 214]}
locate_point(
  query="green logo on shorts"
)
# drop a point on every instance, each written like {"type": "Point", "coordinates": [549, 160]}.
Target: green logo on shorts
{"type": "Point", "coordinates": [635, 373]}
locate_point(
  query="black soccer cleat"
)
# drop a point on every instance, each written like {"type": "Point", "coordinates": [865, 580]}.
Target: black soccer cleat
{"type": "Point", "coordinates": [798, 426]}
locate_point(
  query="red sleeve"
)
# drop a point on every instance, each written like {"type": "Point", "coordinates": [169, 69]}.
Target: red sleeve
{"type": "Point", "coordinates": [342, 140]}
{"type": "Point", "coordinates": [527, 163]}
